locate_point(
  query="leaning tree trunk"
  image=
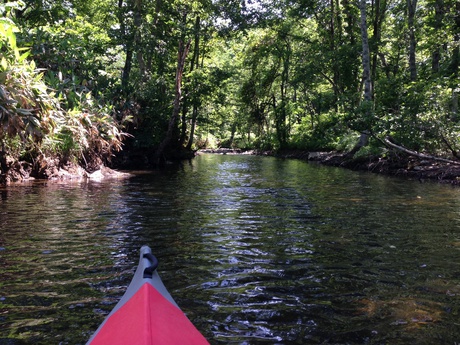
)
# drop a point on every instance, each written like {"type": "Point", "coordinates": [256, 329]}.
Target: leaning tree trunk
{"type": "Point", "coordinates": [182, 55]}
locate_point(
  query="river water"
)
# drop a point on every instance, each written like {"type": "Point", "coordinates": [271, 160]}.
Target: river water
{"type": "Point", "coordinates": [255, 250]}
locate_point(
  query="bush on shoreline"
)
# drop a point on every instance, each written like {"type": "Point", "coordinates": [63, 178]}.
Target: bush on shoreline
{"type": "Point", "coordinates": [34, 124]}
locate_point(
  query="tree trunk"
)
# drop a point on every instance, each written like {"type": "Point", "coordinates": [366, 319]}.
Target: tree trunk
{"type": "Point", "coordinates": [436, 54]}
{"type": "Point", "coordinates": [192, 127]}
{"type": "Point", "coordinates": [332, 47]}
{"type": "Point", "coordinates": [380, 10]}
{"type": "Point", "coordinates": [138, 37]}
{"type": "Point", "coordinates": [183, 130]}
{"type": "Point", "coordinates": [193, 64]}
{"type": "Point", "coordinates": [364, 137]}
{"type": "Point", "coordinates": [195, 97]}
{"type": "Point", "coordinates": [351, 23]}
{"type": "Point", "coordinates": [411, 8]}
{"type": "Point", "coordinates": [281, 112]}
{"type": "Point", "coordinates": [366, 53]}
{"type": "Point", "coordinates": [181, 56]}
{"type": "Point", "coordinates": [125, 74]}
{"type": "Point", "coordinates": [455, 62]}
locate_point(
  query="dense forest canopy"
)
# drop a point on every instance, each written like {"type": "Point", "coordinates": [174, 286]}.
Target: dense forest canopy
{"type": "Point", "coordinates": [79, 77]}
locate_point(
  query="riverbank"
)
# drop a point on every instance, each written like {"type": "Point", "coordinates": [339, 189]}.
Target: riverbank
{"type": "Point", "coordinates": [401, 165]}
{"type": "Point", "coordinates": [52, 169]}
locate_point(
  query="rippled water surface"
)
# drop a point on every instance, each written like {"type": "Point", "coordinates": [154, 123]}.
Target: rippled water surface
{"type": "Point", "coordinates": [255, 250]}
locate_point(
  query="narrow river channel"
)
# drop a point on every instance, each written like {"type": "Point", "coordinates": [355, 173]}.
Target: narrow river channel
{"type": "Point", "coordinates": [255, 250]}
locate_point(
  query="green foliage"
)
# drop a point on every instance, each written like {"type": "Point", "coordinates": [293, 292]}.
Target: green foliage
{"type": "Point", "coordinates": [291, 79]}
{"type": "Point", "coordinates": [325, 132]}
{"type": "Point", "coordinates": [417, 115]}
{"type": "Point", "coordinates": [266, 142]}
{"type": "Point", "coordinates": [370, 151]}
{"type": "Point", "coordinates": [362, 117]}
{"type": "Point", "coordinates": [77, 55]}
{"type": "Point", "coordinates": [33, 118]}
{"type": "Point", "coordinates": [27, 109]}
{"type": "Point", "coordinates": [154, 99]}
{"type": "Point", "coordinates": [347, 141]}
{"type": "Point", "coordinates": [87, 134]}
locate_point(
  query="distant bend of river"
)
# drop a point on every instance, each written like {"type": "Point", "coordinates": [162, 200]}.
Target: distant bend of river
{"type": "Point", "coordinates": [255, 250]}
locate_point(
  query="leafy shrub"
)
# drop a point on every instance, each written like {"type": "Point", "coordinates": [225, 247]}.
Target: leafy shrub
{"type": "Point", "coordinates": [89, 134]}
{"type": "Point", "coordinates": [323, 133]}
{"type": "Point", "coordinates": [27, 109]}
{"type": "Point", "coordinates": [34, 119]}
{"type": "Point", "coordinates": [371, 150]}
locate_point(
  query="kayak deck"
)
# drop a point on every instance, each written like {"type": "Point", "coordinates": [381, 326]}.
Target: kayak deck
{"type": "Point", "coordinates": [147, 314]}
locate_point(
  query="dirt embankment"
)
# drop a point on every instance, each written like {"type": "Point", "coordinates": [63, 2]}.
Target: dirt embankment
{"type": "Point", "coordinates": [51, 168]}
